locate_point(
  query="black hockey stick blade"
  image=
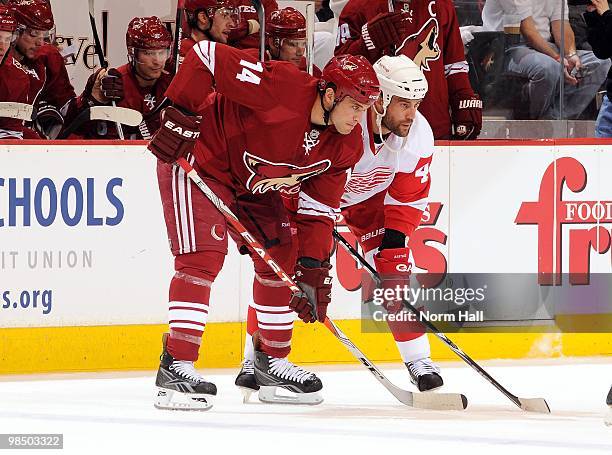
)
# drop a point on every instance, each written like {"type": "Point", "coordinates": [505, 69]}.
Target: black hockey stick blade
{"type": "Point", "coordinates": [19, 111]}
{"type": "Point", "coordinates": [526, 404]}
{"type": "Point", "coordinates": [431, 400]}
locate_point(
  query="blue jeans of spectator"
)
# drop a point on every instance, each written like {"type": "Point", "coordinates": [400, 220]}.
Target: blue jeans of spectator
{"type": "Point", "coordinates": [603, 126]}
{"type": "Point", "coordinates": [544, 74]}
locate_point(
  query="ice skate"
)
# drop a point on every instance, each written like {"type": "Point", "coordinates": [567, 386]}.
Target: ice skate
{"type": "Point", "coordinates": [246, 380]}
{"type": "Point", "coordinates": [425, 374]}
{"type": "Point", "coordinates": [180, 386]}
{"type": "Point", "coordinates": [278, 374]}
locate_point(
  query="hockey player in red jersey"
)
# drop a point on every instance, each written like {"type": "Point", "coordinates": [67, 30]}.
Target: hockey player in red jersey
{"type": "Point", "coordinates": [427, 31]}
{"type": "Point", "coordinates": [316, 140]}
{"type": "Point", "coordinates": [139, 84]}
{"type": "Point", "coordinates": [286, 38]}
{"type": "Point", "coordinates": [386, 194]}
{"type": "Point", "coordinates": [50, 90]}
{"type": "Point", "coordinates": [14, 82]}
{"type": "Point", "coordinates": [246, 33]}
{"type": "Point", "coordinates": [210, 20]}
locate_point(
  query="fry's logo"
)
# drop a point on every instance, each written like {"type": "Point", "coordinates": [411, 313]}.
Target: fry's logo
{"type": "Point", "coordinates": [551, 212]}
{"type": "Point", "coordinates": [426, 256]}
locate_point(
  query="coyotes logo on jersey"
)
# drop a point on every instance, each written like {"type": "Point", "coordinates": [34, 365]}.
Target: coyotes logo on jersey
{"type": "Point", "coordinates": [266, 175]}
{"type": "Point", "coordinates": [424, 43]}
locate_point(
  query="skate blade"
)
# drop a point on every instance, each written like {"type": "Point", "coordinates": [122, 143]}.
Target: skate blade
{"type": "Point", "coordinates": [246, 394]}
{"type": "Point", "coordinates": [272, 395]}
{"type": "Point", "coordinates": [608, 419]}
{"type": "Point", "coordinates": [178, 401]}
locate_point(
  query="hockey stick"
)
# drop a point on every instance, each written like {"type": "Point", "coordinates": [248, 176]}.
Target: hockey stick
{"type": "Point", "coordinates": [392, 10]}
{"type": "Point", "coordinates": [261, 15]}
{"type": "Point", "coordinates": [178, 33]}
{"type": "Point", "coordinates": [19, 111]}
{"type": "Point", "coordinates": [438, 401]}
{"type": "Point", "coordinates": [526, 404]}
{"type": "Point", "coordinates": [100, 52]}
{"type": "Point", "coordinates": [119, 115]}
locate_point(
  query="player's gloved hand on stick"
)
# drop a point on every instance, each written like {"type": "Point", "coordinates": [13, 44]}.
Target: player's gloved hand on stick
{"type": "Point", "coordinates": [48, 120]}
{"type": "Point", "coordinates": [466, 117]}
{"type": "Point", "coordinates": [394, 266]}
{"type": "Point", "coordinates": [111, 85]}
{"type": "Point", "coordinates": [384, 30]}
{"type": "Point", "coordinates": [313, 279]}
{"type": "Point", "coordinates": [176, 137]}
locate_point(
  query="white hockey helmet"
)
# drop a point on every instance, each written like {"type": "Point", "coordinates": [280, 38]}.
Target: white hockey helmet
{"type": "Point", "coordinates": [400, 76]}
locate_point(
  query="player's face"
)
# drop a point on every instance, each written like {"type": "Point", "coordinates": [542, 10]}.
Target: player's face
{"type": "Point", "coordinates": [150, 62]}
{"type": "Point", "coordinates": [292, 50]}
{"type": "Point", "coordinates": [347, 114]}
{"type": "Point", "coordinates": [224, 20]}
{"type": "Point", "coordinates": [30, 40]}
{"type": "Point", "coordinates": [401, 112]}
{"type": "Point", "coordinates": [5, 42]}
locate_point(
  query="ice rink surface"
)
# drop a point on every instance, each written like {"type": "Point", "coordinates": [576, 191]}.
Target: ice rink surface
{"type": "Point", "coordinates": [112, 413]}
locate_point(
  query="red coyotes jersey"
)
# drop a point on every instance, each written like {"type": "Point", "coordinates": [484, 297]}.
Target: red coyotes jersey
{"type": "Point", "coordinates": [433, 42]}
{"type": "Point", "coordinates": [257, 137]}
{"type": "Point", "coordinates": [15, 87]}
{"type": "Point", "coordinates": [58, 90]}
{"type": "Point", "coordinates": [398, 167]}
{"type": "Point", "coordinates": [185, 46]}
{"type": "Point", "coordinates": [147, 100]}
{"type": "Point", "coordinates": [248, 11]}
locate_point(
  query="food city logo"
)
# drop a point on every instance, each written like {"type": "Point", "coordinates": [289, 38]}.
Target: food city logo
{"type": "Point", "coordinates": [426, 244]}
{"type": "Point", "coordinates": [269, 176]}
{"type": "Point", "coordinates": [26, 202]}
{"type": "Point", "coordinates": [550, 212]}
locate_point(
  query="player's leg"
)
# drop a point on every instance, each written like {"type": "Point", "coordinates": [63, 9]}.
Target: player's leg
{"type": "Point", "coordinates": [270, 320]}
{"type": "Point", "coordinates": [366, 222]}
{"type": "Point", "coordinates": [198, 240]}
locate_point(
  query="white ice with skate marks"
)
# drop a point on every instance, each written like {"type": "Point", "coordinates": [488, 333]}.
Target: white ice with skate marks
{"type": "Point", "coordinates": [114, 412]}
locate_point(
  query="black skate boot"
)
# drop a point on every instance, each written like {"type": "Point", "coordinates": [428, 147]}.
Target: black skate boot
{"type": "Point", "coordinates": [272, 373]}
{"type": "Point", "coordinates": [246, 380]}
{"type": "Point", "coordinates": [425, 374]}
{"type": "Point", "coordinates": [180, 386]}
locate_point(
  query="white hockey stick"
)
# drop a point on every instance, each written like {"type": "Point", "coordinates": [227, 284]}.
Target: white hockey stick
{"type": "Point", "coordinates": [19, 111]}
{"type": "Point", "coordinates": [437, 401]}
{"type": "Point", "coordinates": [526, 404]}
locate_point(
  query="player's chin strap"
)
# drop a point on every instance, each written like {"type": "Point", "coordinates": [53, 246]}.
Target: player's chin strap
{"type": "Point", "coordinates": [379, 119]}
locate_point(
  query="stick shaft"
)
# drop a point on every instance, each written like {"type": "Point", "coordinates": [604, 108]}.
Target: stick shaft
{"type": "Point", "coordinates": [466, 358]}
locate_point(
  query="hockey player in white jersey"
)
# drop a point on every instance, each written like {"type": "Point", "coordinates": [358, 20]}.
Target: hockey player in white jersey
{"type": "Point", "coordinates": [387, 193]}
{"type": "Point", "coordinates": [384, 200]}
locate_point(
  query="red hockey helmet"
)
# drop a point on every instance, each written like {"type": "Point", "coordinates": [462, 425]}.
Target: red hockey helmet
{"type": "Point", "coordinates": [210, 6]}
{"type": "Point", "coordinates": [7, 20]}
{"type": "Point", "coordinates": [286, 23]}
{"type": "Point", "coordinates": [351, 75]}
{"type": "Point", "coordinates": [147, 33]}
{"type": "Point", "coordinates": [34, 14]}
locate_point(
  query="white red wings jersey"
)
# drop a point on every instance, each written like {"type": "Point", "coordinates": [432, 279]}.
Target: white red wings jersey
{"type": "Point", "coordinates": [433, 42]}
{"type": "Point", "coordinates": [401, 172]}
{"type": "Point", "coordinates": [256, 135]}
